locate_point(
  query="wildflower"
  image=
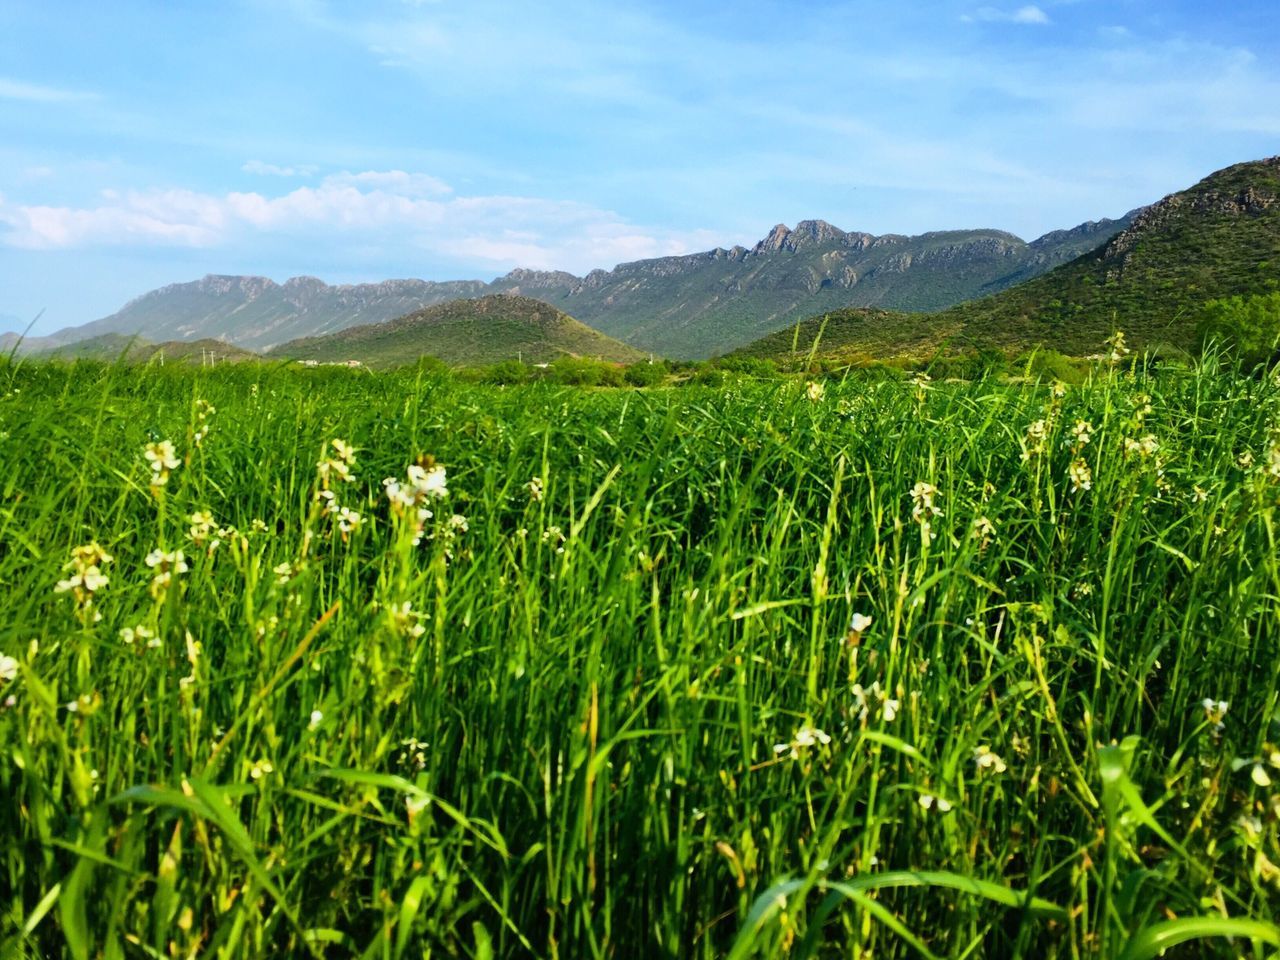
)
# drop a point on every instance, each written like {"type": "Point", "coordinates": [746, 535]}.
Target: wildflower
{"type": "Point", "coordinates": [1245, 460]}
{"type": "Point", "coordinates": [258, 526]}
{"type": "Point", "coordinates": [534, 487]}
{"type": "Point", "coordinates": [429, 482]}
{"type": "Point", "coordinates": [984, 759]}
{"type": "Point", "coordinates": [1199, 494]}
{"type": "Point", "coordinates": [1214, 710]}
{"type": "Point", "coordinates": [316, 718]}
{"type": "Point", "coordinates": [405, 620]}
{"type": "Point", "coordinates": [458, 523]}
{"type": "Point", "coordinates": [204, 410]}
{"type": "Point", "coordinates": [1082, 433]}
{"type": "Point", "coordinates": [202, 525]}
{"type": "Point", "coordinates": [284, 572]}
{"type": "Point", "coordinates": [1080, 476]}
{"type": "Point", "coordinates": [166, 564]}
{"type": "Point", "coordinates": [804, 739]}
{"type": "Point", "coordinates": [260, 769]}
{"type": "Point", "coordinates": [1059, 389]}
{"type": "Point", "coordinates": [131, 635]}
{"type": "Point", "coordinates": [1118, 347]}
{"type": "Point", "coordinates": [984, 531]}
{"type": "Point", "coordinates": [328, 501]}
{"type": "Point", "coordinates": [554, 536]}
{"type": "Point", "coordinates": [928, 801]}
{"type": "Point", "coordinates": [348, 520]}
{"type": "Point", "coordinates": [923, 509]}
{"type": "Point", "coordinates": [162, 458]}
{"type": "Point", "coordinates": [1259, 775]}
{"type": "Point", "coordinates": [1143, 447]}
{"type": "Point", "coordinates": [86, 578]}
{"type": "Point", "coordinates": [814, 391]}
{"type": "Point", "coordinates": [859, 622]}
{"type": "Point", "coordinates": [339, 464]}
{"type": "Point", "coordinates": [1033, 442]}
{"type": "Point", "coordinates": [8, 668]}
{"type": "Point", "coordinates": [873, 697]}
{"type": "Point", "coordinates": [414, 751]}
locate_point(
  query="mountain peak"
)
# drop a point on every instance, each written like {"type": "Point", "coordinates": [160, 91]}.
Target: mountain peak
{"type": "Point", "coordinates": [776, 239]}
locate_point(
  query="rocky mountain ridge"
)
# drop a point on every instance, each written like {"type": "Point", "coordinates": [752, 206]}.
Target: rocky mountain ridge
{"type": "Point", "coordinates": [689, 305]}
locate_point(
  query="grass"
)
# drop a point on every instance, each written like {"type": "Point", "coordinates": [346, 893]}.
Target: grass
{"type": "Point", "coordinates": [622, 714]}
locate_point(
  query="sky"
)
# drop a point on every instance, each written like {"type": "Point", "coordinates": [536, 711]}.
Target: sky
{"type": "Point", "coordinates": [150, 143]}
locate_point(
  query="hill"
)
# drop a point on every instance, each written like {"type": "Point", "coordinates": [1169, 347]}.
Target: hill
{"type": "Point", "coordinates": [465, 332]}
{"type": "Point", "coordinates": [1218, 238]}
{"type": "Point", "coordinates": [687, 306]}
{"type": "Point", "coordinates": [117, 346]}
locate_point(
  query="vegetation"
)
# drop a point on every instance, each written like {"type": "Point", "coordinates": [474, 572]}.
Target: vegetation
{"type": "Point", "coordinates": [488, 330]}
{"type": "Point", "coordinates": [1248, 327]}
{"type": "Point", "coordinates": [884, 667]}
{"type": "Point", "coordinates": [1219, 239]}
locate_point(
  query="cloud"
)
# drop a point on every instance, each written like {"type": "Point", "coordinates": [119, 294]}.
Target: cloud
{"type": "Point", "coordinates": [35, 93]}
{"type": "Point", "coordinates": [1030, 15]}
{"type": "Point", "coordinates": [271, 170]}
{"type": "Point", "coordinates": [388, 210]}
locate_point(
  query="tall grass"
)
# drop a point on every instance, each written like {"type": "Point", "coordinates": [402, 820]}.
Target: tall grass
{"type": "Point", "coordinates": [624, 713]}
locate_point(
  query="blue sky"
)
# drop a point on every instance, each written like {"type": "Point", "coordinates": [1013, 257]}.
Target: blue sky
{"type": "Point", "coordinates": [150, 143]}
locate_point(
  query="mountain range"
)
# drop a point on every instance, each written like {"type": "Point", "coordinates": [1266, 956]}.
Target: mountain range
{"type": "Point", "coordinates": [689, 306]}
{"type": "Point", "coordinates": [1219, 238]}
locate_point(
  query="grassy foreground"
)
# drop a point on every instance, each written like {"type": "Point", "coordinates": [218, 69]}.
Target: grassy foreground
{"type": "Point", "coordinates": [891, 669]}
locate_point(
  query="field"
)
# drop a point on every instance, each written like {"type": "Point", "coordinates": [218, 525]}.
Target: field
{"type": "Point", "coordinates": [858, 669]}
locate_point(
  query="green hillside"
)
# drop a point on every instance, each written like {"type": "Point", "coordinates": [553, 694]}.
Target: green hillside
{"type": "Point", "coordinates": [118, 346]}
{"type": "Point", "coordinates": [1217, 239]}
{"type": "Point", "coordinates": [465, 333]}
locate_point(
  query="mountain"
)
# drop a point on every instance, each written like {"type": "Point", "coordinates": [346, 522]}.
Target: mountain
{"type": "Point", "coordinates": [686, 306]}
{"type": "Point", "coordinates": [1218, 238]}
{"type": "Point", "coordinates": [465, 332]}
{"type": "Point", "coordinates": [707, 303]}
{"type": "Point", "coordinates": [257, 312]}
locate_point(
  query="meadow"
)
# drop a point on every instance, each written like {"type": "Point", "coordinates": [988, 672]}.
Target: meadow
{"type": "Point", "coordinates": [323, 663]}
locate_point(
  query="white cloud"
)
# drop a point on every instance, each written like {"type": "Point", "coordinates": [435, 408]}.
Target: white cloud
{"type": "Point", "coordinates": [35, 93]}
{"type": "Point", "coordinates": [1030, 14]}
{"type": "Point", "coordinates": [259, 168]}
{"type": "Point", "coordinates": [376, 209]}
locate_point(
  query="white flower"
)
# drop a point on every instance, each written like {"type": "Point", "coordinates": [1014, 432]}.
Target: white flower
{"type": "Point", "coordinates": [429, 482]}
{"type": "Point", "coordinates": [985, 760]}
{"type": "Point", "coordinates": [349, 520]}
{"type": "Point", "coordinates": [814, 391]}
{"type": "Point", "coordinates": [459, 523]}
{"type": "Point", "coordinates": [1082, 432]}
{"type": "Point", "coordinates": [161, 456]}
{"type": "Point", "coordinates": [534, 487]}
{"type": "Point", "coordinates": [316, 718]}
{"type": "Point", "coordinates": [1080, 476]}
{"type": "Point", "coordinates": [929, 801]}
{"type": "Point", "coordinates": [873, 697]}
{"type": "Point", "coordinates": [130, 635]}
{"type": "Point", "coordinates": [8, 668]}
{"type": "Point", "coordinates": [804, 739]}
{"type": "Point", "coordinates": [859, 623]}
